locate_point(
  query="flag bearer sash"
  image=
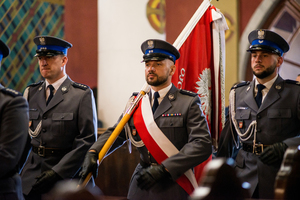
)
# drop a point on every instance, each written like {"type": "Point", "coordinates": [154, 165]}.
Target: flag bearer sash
{"type": "Point", "coordinates": [157, 143]}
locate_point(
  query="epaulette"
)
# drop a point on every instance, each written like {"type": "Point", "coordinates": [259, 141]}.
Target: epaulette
{"type": "Point", "coordinates": [35, 84]}
{"type": "Point", "coordinates": [79, 85]}
{"type": "Point", "coordinates": [241, 84]}
{"type": "Point", "coordinates": [292, 82]}
{"type": "Point", "coordinates": [186, 92]}
{"type": "Point", "coordinates": [11, 92]}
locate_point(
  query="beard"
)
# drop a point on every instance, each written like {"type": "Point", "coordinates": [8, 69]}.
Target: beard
{"type": "Point", "coordinates": [270, 70]}
{"type": "Point", "coordinates": [158, 81]}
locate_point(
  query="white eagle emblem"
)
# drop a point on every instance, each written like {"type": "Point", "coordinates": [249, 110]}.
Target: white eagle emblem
{"type": "Point", "coordinates": [261, 34]}
{"type": "Point", "coordinates": [150, 44]}
{"type": "Point", "coordinates": [42, 41]}
{"type": "Point", "coordinates": [204, 92]}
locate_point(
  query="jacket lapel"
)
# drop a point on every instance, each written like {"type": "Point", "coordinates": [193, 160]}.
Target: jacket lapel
{"type": "Point", "coordinates": [273, 94]}
{"type": "Point", "coordinates": [40, 97]}
{"type": "Point", "coordinates": [166, 102]}
{"type": "Point", "coordinates": [249, 97]}
{"type": "Point", "coordinates": [58, 97]}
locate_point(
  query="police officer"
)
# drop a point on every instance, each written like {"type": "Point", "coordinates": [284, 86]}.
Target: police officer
{"type": "Point", "coordinates": [264, 116]}
{"type": "Point", "coordinates": [179, 141]}
{"type": "Point", "coordinates": [13, 134]}
{"type": "Point", "coordinates": [63, 122]}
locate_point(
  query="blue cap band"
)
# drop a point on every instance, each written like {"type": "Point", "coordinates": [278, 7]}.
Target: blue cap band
{"type": "Point", "coordinates": [267, 43]}
{"type": "Point", "coordinates": [1, 55]}
{"type": "Point", "coordinates": [53, 47]}
{"type": "Point", "coordinates": [160, 51]}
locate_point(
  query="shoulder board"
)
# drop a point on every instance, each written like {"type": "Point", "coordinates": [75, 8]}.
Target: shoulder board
{"type": "Point", "coordinates": [292, 82]}
{"type": "Point", "coordinates": [35, 84]}
{"type": "Point", "coordinates": [11, 92]}
{"type": "Point", "coordinates": [241, 84]}
{"type": "Point", "coordinates": [79, 85]}
{"type": "Point", "coordinates": [186, 92]}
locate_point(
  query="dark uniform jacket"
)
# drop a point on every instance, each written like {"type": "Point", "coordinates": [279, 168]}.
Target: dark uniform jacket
{"type": "Point", "coordinates": [13, 134]}
{"type": "Point", "coordinates": [189, 134]}
{"type": "Point", "coordinates": [69, 124]}
{"type": "Point", "coordinates": [278, 120]}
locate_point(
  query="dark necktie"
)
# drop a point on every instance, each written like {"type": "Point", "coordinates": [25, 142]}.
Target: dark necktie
{"type": "Point", "coordinates": [51, 94]}
{"type": "Point", "coordinates": [155, 102]}
{"type": "Point", "coordinates": [258, 97]}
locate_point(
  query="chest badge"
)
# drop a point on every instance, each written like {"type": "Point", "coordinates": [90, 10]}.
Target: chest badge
{"type": "Point", "coordinates": [241, 124]}
{"type": "Point", "coordinates": [133, 132]}
{"type": "Point", "coordinates": [171, 115]}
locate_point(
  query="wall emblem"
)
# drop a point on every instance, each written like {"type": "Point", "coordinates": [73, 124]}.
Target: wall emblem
{"type": "Point", "coordinates": [156, 14]}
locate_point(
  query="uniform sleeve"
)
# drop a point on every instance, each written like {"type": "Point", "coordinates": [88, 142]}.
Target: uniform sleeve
{"type": "Point", "coordinates": [13, 133]}
{"type": "Point", "coordinates": [199, 146]}
{"type": "Point", "coordinates": [120, 140]}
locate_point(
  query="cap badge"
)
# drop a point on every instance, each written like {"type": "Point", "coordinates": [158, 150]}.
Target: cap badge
{"type": "Point", "coordinates": [261, 34]}
{"type": "Point", "coordinates": [260, 41]}
{"type": "Point", "coordinates": [150, 44]}
{"type": "Point", "coordinates": [42, 41]}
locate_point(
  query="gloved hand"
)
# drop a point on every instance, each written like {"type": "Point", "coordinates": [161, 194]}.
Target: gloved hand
{"type": "Point", "coordinates": [151, 175]}
{"type": "Point", "coordinates": [273, 153]}
{"type": "Point", "coordinates": [46, 181]}
{"type": "Point", "coordinates": [90, 165]}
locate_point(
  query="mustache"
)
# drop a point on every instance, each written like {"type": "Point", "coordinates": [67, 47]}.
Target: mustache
{"type": "Point", "coordinates": [259, 65]}
{"type": "Point", "coordinates": [151, 73]}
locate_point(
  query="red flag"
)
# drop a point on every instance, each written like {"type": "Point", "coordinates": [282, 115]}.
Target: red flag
{"type": "Point", "coordinates": [198, 69]}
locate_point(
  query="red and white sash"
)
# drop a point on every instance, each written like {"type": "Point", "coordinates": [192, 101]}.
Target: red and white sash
{"type": "Point", "coordinates": [157, 143]}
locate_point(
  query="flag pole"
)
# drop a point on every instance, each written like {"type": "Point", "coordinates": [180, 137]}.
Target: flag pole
{"type": "Point", "coordinates": [145, 89]}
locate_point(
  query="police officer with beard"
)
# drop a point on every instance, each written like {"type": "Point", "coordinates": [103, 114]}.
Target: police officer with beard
{"type": "Point", "coordinates": [176, 138]}
{"type": "Point", "coordinates": [264, 116]}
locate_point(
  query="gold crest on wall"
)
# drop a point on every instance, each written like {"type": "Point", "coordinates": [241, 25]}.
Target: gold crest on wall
{"type": "Point", "coordinates": [156, 14]}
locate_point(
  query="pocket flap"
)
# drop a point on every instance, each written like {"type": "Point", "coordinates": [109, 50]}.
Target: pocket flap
{"type": "Point", "coordinates": [279, 113]}
{"type": "Point", "coordinates": [62, 116]}
{"type": "Point", "coordinates": [33, 114]}
{"type": "Point", "coordinates": [242, 114]}
{"type": "Point", "coordinates": [171, 121]}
